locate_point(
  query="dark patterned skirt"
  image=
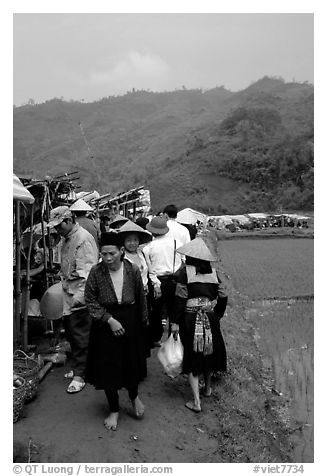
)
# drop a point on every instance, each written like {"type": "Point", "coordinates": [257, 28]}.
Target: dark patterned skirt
{"type": "Point", "coordinates": [117, 361]}
{"type": "Point", "coordinates": [195, 362]}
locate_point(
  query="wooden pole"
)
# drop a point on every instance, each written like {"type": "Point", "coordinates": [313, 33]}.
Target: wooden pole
{"type": "Point", "coordinates": [28, 285]}
{"type": "Point", "coordinates": [44, 248]}
{"type": "Point", "coordinates": [44, 370]}
{"type": "Point", "coordinates": [18, 291]}
{"type": "Point", "coordinates": [47, 214]}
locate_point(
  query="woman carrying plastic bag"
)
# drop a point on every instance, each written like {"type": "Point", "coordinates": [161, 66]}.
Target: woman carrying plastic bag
{"type": "Point", "coordinates": [200, 303]}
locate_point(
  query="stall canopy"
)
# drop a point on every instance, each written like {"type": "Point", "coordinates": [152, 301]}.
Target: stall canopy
{"type": "Point", "coordinates": [259, 216]}
{"type": "Point", "coordinates": [242, 219]}
{"type": "Point", "coordinates": [189, 216]}
{"type": "Point", "coordinates": [20, 192]}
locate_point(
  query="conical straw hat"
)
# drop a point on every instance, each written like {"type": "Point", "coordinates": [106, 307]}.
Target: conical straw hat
{"type": "Point", "coordinates": [51, 304]}
{"type": "Point", "coordinates": [81, 206]}
{"type": "Point", "coordinates": [118, 221]}
{"type": "Point", "coordinates": [196, 249]}
{"type": "Point", "coordinates": [131, 227]}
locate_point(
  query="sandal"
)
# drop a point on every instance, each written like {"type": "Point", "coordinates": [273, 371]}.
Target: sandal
{"type": "Point", "coordinates": [191, 406]}
{"type": "Point", "coordinates": [69, 374]}
{"type": "Point", "coordinates": [75, 386]}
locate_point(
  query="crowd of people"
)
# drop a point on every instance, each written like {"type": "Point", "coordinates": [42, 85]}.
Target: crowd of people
{"type": "Point", "coordinates": [124, 284]}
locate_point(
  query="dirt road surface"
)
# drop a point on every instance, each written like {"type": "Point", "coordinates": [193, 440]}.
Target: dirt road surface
{"type": "Point", "coordinates": [69, 428]}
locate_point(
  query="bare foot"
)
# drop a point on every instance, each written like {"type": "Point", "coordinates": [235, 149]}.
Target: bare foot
{"type": "Point", "coordinates": [138, 408]}
{"type": "Point", "coordinates": [192, 406]}
{"type": "Point", "coordinates": [111, 421]}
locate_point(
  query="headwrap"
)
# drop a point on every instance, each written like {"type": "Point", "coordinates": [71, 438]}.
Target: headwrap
{"type": "Point", "coordinates": [110, 238]}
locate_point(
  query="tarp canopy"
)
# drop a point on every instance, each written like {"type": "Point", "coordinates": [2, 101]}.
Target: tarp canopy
{"type": "Point", "coordinates": [240, 218]}
{"type": "Point", "coordinates": [88, 196]}
{"type": "Point", "coordinates": [297, 217]}
{"type": "Point", "coordinates": [188, 216]}
{"type": "Point", "coordinates": [20, 192]}
{"type": "Point", "coordinates": [260, 216]}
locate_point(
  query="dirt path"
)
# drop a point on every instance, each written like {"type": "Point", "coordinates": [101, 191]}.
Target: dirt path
{"type": "Point", "coordinates": [69, 428]}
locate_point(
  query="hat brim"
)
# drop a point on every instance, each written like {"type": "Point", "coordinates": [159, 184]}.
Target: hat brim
{"type": "Point", "coordinates": [144, 237]}
{"type": "Point", "coordinates": [54, 223]}
{"type": "Point", "coordinates": [197, 249]}
{"type": "Point", "coordinates": [157, 231]}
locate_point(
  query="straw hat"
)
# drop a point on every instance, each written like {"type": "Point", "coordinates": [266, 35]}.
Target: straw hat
{"type": "Point", "coordinates": [186, 216]}
{"type": "Point", "coordinates": [158, 226]}
{"type": "Point", "coordinates": [131, 227]}
{"type": "Point", "coordinates": [196, 249]}
{"type": "Point", "coordinates": [80, 206]}
{"type": "Point", "coordinates": [118, 221]}
{"type": "Point", "coordinates": [51, 304]}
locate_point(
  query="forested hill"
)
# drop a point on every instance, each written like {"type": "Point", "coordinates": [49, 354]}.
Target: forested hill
{"type": "Point", "coordinates": [215, 150]}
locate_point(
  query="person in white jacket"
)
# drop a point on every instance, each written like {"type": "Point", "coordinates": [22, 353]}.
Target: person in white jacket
{"type": "Point", "coordinates": [79, 253]}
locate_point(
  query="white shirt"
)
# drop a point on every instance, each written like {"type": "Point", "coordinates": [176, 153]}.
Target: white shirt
{"type": "Point", "coordinates": [117, 278]}
{"type": "Point", "coordinates": [159, 255]}
{"type": "Point", "coordinates": [178, 231]}
{"type": "Point", "coordinates": [138, 259]}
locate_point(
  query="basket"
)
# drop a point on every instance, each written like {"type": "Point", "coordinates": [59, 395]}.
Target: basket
{"type": "Point", "coordinates": [19, 394]}
{"type": "Point", "coordinates": [28, 368]}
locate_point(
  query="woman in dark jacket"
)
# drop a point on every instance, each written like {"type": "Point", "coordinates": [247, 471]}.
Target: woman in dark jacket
{"type": "Point", "coordinates": [200, 303]}
{"type": "Point", "coordinates": [116, 302]}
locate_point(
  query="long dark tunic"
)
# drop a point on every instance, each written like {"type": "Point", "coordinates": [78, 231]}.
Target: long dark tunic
{"type": "Point", "coordinates": [116, 361]}
{"type": "Point", "coordinates": [195, 362]}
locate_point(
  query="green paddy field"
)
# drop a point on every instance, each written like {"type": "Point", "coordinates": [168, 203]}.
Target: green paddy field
{"type": "Point", "coordinates": [276, 277]}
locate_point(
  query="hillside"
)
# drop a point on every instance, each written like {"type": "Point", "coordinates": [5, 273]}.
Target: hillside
{"type": "Point", "coordinates": [215, 150]}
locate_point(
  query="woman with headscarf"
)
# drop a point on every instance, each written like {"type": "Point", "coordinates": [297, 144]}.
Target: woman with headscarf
{"type": "Point", "coordinates": [115, 299]}
{"type": "Point", "coordinates": [200, 303]}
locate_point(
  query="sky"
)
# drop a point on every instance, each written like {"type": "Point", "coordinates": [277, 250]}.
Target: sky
{"type": "Point", "coordinates": [94, 55]}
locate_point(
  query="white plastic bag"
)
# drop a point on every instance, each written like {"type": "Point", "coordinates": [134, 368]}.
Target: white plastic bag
{"type": "Point", "coordinates": [170, 356]}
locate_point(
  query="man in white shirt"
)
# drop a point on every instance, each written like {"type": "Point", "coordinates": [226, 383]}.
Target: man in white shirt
{"type": "Point", "coordinates": [163, 262]}
{"type": "Point", "coordinates": [178, 231]}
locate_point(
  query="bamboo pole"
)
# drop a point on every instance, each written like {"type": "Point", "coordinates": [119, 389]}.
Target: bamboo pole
{"type": "Point", "coordinates": [44, 254]}
{"type": "Point", "coordinates": [47, 214]}
{"type": "Point", "coordinates": [44, 370]}
{"type": "Point", "coordinates": [46, 278]}
{"type": "Point", "coordinates": [28, 285]}
{"type": "Point", "coordinates": [18, 291]}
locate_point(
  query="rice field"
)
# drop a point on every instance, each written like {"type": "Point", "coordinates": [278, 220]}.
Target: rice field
{"type": "Point", "coordinates": [284, 329]}
{"type": "Point", "coordinates": [284, 334]}
{"type": "Point", "coordinates": [269, 268]}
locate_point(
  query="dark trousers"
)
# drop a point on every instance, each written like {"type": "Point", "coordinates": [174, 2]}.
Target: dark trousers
{"type": "Point", "coordinates": [113, 397]}
{"type": "Point", "coordinates": [168, 287]}
{"type": "Point", "coordinates": [77, 328]}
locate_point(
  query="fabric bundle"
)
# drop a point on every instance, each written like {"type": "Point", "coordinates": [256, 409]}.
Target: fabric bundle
{"type": "Point", "coordinates": [202, 341]}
